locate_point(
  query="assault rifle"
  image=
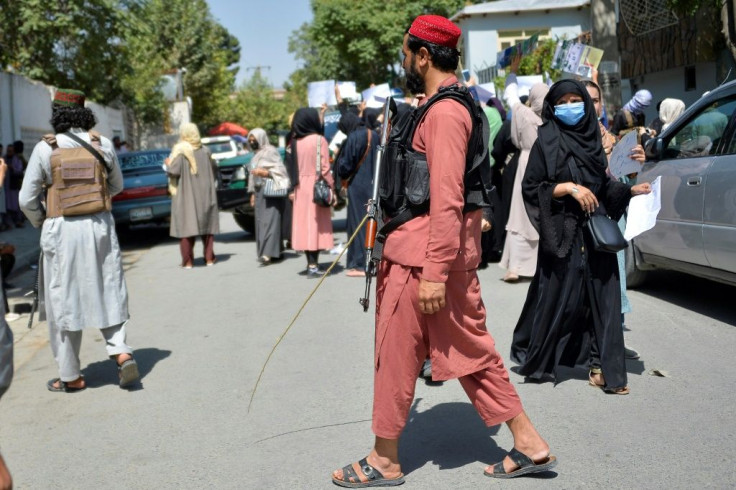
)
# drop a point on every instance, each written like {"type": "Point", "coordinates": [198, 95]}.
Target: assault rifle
{"type": "Point", "coordinates": [371, 226]}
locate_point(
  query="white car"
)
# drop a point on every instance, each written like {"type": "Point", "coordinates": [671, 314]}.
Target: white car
{"type": "Point", "coordinates": [221, 147]}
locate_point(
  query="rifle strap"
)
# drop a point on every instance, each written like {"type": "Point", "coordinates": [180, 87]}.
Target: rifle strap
{"type": "Point", "coordinates": [404, 216]}
{"type": "Point", "coordinates": [90, 149]}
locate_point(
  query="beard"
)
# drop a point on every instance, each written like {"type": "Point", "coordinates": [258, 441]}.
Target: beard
{"type": "Point", "coordinates": [414, 81]}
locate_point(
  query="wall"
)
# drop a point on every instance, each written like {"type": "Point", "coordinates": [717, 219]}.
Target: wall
{"type": "Point", "coordinates": [25, 112]}
{"type": "Point", "coordinates": [481, 39]}
{"type": "Point", "coordinates": [670, 83]}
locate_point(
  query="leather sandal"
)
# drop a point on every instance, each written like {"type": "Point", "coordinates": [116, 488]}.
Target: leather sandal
{"type": "Point", "coordinates": [369, 477]}
{"type": "Point", "coordinates": [525, 465]}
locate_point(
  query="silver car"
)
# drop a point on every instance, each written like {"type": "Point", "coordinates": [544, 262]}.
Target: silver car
{"type": "Point", "coordinates": [696, 227]}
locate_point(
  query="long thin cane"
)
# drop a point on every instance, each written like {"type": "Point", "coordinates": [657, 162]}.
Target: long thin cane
{"type": "Point", "coordinates": [34, 304]}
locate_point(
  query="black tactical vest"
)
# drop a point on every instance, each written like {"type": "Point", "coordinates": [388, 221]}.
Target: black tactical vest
{"type": "Point", "coordinates": [404, 174]}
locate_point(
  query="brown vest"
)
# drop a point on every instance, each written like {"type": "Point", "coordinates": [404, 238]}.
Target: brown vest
{"type": "Point", "coordinates": [78, 181]}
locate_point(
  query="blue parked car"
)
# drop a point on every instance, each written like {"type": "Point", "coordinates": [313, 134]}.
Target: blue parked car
{"type": "Point", "coordinates": [145, 196]}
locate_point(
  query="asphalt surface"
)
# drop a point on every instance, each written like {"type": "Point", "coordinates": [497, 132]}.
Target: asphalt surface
{"type": "Point", "coordinates": [201, 337]}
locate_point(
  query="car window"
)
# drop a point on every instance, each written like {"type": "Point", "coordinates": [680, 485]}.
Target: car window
{"type": "Point", "coordinates": [702, 134]}
{"type": "Point", "coordinates": [219, 147]}
{"type": "Point", "coordinates": [130, 161]}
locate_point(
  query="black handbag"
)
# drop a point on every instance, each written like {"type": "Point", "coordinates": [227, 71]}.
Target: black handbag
{"type": "Point", "coordinates": [605, 234]}
{"type": "Point", "coordinates": [322, 190]}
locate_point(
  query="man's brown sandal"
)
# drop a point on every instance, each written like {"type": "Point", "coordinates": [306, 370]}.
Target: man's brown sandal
{"type": "Point", "coordinates": [58, 386]}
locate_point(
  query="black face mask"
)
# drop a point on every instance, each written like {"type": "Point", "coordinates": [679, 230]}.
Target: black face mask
{"type": "Point", "coordinates": [254, 145]}
{"type": "Point", "coordinates": [414, 81]}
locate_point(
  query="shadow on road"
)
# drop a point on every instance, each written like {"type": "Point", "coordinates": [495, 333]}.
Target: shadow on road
{"type": "Point", "coordinates": [708, 298]}
{"type": "Point", "coordinates": [449, 435]}
{"type": "Point", "coordinates": [103, 373]}
{"type": "Point", "coordinates": [234, 237]}
{"type": "Point", "coordinates": [142, 236]}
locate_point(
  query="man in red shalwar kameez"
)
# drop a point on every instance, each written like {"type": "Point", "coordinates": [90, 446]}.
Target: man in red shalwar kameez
{"type": "Point", "coordinates": [428, 299]}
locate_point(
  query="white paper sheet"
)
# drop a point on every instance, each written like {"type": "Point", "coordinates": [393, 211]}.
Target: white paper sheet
{"type": "Point", "coordinates": [620, 164]}
{"type": "Point", "coordinates": [347, 90]}
{"type": "Point", "coordinates": [375, 96]}
{"type": "Point", "coordinates": [643, 211]}
{"type": "Point", "coordinates": [525, 83]}
{"type": "Point", "coordinates": [322, 92]}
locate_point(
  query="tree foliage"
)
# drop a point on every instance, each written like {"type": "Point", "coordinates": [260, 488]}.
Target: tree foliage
{"type": "Point", "coordinates": [254, 105]}
{"type": "Point", "coordinates": [360, 41]}
{"type": "Point", "coordinates": [119, 49]}
{"type": "Point", "coordinates": [66, 43]}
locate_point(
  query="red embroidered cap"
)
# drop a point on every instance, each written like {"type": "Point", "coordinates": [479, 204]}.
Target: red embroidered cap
{"type": "Point", "coordinates": [436, 29]}
{"type": "Point", "coordinates": [69, 97]}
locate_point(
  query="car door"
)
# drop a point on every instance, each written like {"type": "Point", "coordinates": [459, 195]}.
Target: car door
{"type": "Point", "coordinates": [690, 150]}
{"type": "Point", "coordinates": [719, 208]}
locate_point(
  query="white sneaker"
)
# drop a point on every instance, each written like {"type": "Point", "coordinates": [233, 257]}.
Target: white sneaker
{"type": "Point", "coordinates": [11, 317]}
{"type": "Point", "coordinates": [338, 249]}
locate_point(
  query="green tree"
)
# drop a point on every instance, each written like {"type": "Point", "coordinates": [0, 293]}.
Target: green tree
{"type": "Point", "coordinates": [254, 105]}
{"type": "Point", "coordinates": [537, 63]}
{"type": "Point", "coordinates": [175, 34]}
{"type": "Point", "coordinates": [360, 41]}
{"type": "Point", "coordinates": [74, 43]}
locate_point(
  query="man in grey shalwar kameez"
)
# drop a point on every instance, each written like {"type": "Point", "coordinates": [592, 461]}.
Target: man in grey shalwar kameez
{"type": "Point", "coordinates": [83, 284]}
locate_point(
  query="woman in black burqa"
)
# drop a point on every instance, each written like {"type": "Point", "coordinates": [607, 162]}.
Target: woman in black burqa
{"type": "Point", "coordinates": [355, 167]}
{"type": "Point", "coordinates": [572, 312]}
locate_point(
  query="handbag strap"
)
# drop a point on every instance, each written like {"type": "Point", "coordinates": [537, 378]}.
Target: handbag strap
{"type": "Point", "coordinates": [346, 182]}
{"type": "Point", "coordinates": [319, 157]}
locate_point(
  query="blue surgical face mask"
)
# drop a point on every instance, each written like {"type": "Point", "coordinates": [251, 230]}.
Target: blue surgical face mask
{"type": "Point", "coordinates": [570, 114]}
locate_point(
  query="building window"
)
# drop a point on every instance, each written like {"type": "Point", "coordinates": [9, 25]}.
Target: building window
{"type": "Point", "coordinates": [506, 39]}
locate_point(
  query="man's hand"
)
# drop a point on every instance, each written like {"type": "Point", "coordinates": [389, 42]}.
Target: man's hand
{"type": "Point", "coordinates": [485, 225]}
{"type": "Point", "coordinates": [253, 199]}
{"type": "Point", "coordinates": [639, 189]}
{"type": "Point", "coordinates": [431, 296]}
{"type": "Point", "coordinates": [515, 62]}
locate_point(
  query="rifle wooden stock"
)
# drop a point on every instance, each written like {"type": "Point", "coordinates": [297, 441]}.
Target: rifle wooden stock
{"type": "Point", "coordinates": [371, 228]}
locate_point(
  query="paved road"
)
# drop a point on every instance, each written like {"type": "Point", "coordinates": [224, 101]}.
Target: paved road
{"type": "Point", "coordinates": [201, 337]}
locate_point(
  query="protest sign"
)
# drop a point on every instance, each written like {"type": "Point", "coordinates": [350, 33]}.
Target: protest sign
{"type": "Point", "coordinates": [319, 93]}
{"type": "Point", "coordinates": [620, 164]}
{"type": "Point", "coordinates": [524, 83]}
{"type": "Point", "coordinates": [482, 92]}
{"type": "Point", "coordinates": [375, 96]}
{"type": "Point", "coordinates": [525, 47]}
{"type": "Point", "coordinates": [576, 58]}
{"type": "Point", "coordinates": [348, 91]}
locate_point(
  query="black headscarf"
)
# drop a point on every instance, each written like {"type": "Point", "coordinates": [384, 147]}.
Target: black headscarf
{"type": "Point", "coordinates": [493, 101]}
{"type": "Point", "coordinates": [582, 141]}
{"type": "Point", "coordinates": [349, 122]}
{"type": "Point", "coordinates": [305, 122]}
{"type": "Point", "coordinates": [370, 117]}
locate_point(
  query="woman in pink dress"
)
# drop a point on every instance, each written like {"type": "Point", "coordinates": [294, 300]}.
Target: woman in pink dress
{"type": "Point", "coordinates": [311, 229]}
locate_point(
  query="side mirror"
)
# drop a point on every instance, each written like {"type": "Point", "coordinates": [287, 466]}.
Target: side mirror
{"type": "Point", "coordinates": [654, 148]}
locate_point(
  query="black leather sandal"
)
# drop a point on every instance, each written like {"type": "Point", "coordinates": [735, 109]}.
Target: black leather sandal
{"type": "Point", "coordinates": [370, 477]}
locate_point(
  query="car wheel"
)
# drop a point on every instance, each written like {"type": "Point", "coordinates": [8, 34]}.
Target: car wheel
{"type": "Point", "coordinates": [246, 221]}
{"type": "Point", "coordinates": [634, 277]}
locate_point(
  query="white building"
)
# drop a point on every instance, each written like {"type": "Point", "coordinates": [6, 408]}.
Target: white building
{"type": "Point", "coordinates": [494, 26]}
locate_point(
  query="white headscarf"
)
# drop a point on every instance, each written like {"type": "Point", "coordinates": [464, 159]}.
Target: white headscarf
{"type": "Point", "coordinates": [267, 156]}
{"type": "Point", "coordinates": [189, 141]}
{"type": "Point", "coordinates": [669, 110]}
